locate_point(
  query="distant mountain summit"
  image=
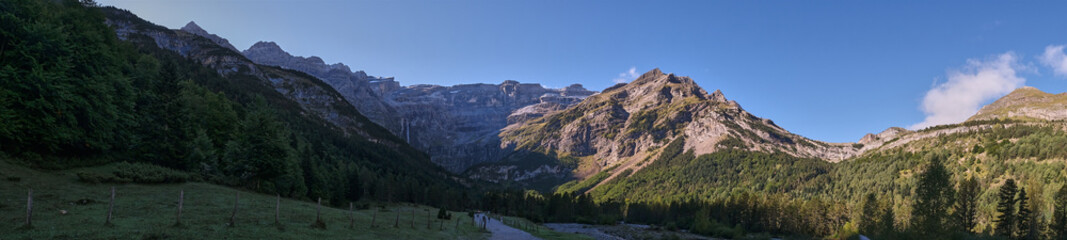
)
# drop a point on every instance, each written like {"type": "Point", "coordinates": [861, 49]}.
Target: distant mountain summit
{"type": "Point", "coordinates": [191, 27]}
{"type": "Point", "coordinates": [627, 124]}
{"type": "Point", "coordinates": [1025, 103]}
{"type": "Point", "coordinates": [270, 53]}
{"type": "Point", "coordinates": [361, 90]}
{"type": "Point", "coordinates": [456, 125]}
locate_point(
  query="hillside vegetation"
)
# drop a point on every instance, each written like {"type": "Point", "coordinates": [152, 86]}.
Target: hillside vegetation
{"type": "Point", "coordinates": [954, 179]}
{"type": "Point", "coordinates": [74, 95]}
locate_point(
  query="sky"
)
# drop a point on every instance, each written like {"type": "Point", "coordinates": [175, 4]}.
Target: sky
{"type": "Point", "coordinates": [827, 70]}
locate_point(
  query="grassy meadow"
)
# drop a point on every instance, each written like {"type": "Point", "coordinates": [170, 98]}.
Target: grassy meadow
{"type": "Point", "coordinates": [66, 208]}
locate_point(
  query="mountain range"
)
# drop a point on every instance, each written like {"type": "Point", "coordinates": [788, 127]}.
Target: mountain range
{"type": "Point", "coordinates": [109, 98]}
{"type": "Point", "coordinates": [536, 136]}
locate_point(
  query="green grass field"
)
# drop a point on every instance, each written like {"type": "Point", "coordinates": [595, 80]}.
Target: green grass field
{"type": "Point", "coordinates": [149, 212]}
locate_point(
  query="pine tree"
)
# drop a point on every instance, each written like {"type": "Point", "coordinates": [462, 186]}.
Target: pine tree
{"type": "Point", "coordinates": [887, 220]}
{"type": "Point", "coordinates": [934, 196]}
{"type": "Point", "coordinates": [870, 221]}
{"type": "Point", "coordinates": [1005, 223]}
{"type": "Point", "coordinates": [1058, 227]}
{"type": "Point", "coordinates": [1024, 218]}
{"type": "Point", "coordinates": [967, 204]}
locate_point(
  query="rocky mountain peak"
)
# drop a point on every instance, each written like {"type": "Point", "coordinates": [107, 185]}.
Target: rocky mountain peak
{"type": "Point", "coordinates": [1025, 103]}
{"type": "Point", "coordinates": [882, 137]}
{"type": "Point", "coordinates": [624, 125]}
{"type": "Point", "coordinates": [269, 53]}
{"type": "Point", "coordinates": [195, 29]}
{"type": "Point", "coordinates": [266, 47]}
{"type": "Point", "coordinates": [655, 88]}
{"type": "Point", "coordinates": [717, 96]}
{"type": "Point", "coordinates": [575, 90]}
{"type": "Point", "coordinates": [192, 27]}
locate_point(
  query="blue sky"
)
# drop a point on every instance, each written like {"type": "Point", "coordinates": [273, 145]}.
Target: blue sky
{"type": "Point", "coordinates": [831, 71]}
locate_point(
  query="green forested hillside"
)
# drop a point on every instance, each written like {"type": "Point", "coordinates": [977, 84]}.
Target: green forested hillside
{"type": "Point", "coordinates": [716, 176]}
{"type": "Point", "coordinates": [886, 193]}
{"type": "Point", "coordinates": [74, 95]}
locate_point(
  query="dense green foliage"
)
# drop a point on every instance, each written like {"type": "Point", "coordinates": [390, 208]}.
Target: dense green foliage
{"type": "Point", "coordinates": [941, 187]}
{"type": "Point", "coordinates": [715, 176]}
{"type": "Point", "coordinates": [933, 197]}
{"type": "Point", "coordinates": [74, 95]}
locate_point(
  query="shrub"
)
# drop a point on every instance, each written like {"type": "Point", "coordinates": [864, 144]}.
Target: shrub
{"type": "Point", "coordinates": [150, 174]}
{"type": "Point", "coordinates": [137, 173]}
{"type": "Point", "coordinates": [442, 214]}
{"type": "Point", "coordinates": [91, 177]}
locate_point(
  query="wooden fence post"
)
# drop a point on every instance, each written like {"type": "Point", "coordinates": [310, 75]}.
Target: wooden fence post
{"type": "Point", "coordinates": [110, 207]}
{"type": "Point", "coordinates": [412, 218]}
{"type": "Point", "coordinates": [181, 201]}
{"type": "Point", "coordinates": [277, 209]}
{"type": "Point", "coordinates": [233, 216]}
{"type": "Point", "coordinates": [374, 217]}
{"type": "Point", "coordinates": [318, 211]}
{"type": "Point", "coordinates": [29, 209]}
{"type": "Point", "coordinates": [397, 223]}
{"type": "Point", "coordinates": [351, 217]}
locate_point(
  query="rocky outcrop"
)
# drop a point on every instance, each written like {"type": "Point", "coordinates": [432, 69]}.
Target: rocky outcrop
{"type": "Point", "coordinates": [626, 124]}
{"type": "Point", "coordinates": [886, 135]}
{"type": "Point", "coordinates": [361, 90]}
{"type": "Point", "coordinates": [1026, 103]}
{"type": "Point", "coordinates": [457, 126]}
{"type": "Point", "coordinates": [310, 94]}
{"type": "Point", "coordinates": [191, 27]}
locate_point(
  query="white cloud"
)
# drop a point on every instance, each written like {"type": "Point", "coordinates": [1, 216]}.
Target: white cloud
{"type": "Point", "coordinates": [1056, 59]}
{"type": "Point", "coordinates": [627, 76]}
{"type": "Point", "coordinates": [966, 89]}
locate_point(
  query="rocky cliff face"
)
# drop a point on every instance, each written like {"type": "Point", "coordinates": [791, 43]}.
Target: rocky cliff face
{"type": "Point", "coordinates": [191, 27]}
{"type": "Point", "coordinates": [625, 125]}
{"type": "Point", "coordinates": [317, 99]}
{"type": "Point", "coordinates": [1026, 103]}
{"type": "Point", "coordinates": [361, 90]}
{"type": "Point", "coordinates": [457, 126]}
{"type": "Point", "coordinates": [874, 140]}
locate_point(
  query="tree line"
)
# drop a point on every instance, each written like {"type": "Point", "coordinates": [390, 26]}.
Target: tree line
{"type": "Point", "coordinates": [75, 95]}
{"type": "Point", "coordinates": [940, 208]}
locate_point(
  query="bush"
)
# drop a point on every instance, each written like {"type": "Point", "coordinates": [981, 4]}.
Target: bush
{"type": "Point", "coordinates": [442, 214]}
{"type": "Point", "coordinates": [150, 174]}
{"type": "Point", "coordinates": [137, 173]}
{"type": "Point", "coordinates": [91, 177]}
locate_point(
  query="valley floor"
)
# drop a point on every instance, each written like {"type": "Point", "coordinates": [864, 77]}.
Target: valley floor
{"type": "Point", "coordinates": [64, 208]}
{"type": "Point", "coordinates": [622, 231]}
{"type": "Point", "coordinates": [501, 231]}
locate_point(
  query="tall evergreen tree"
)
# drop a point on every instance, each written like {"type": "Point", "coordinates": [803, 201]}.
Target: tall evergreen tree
{"type": "Point", "coordinates": [934, 196]}
{"type": "Point", "coordinates": [1058, 227]}
{"type": "Point", "coordinates": [1024, 223]}
{"type": "Point", "coordinates": [967, 204]}
{"type": "Point", "coordinates": [1005, 223]}
{"type": "Point", "coordinates": [888, 230]}
{"type": "Point", "coordinates": [870, 217]}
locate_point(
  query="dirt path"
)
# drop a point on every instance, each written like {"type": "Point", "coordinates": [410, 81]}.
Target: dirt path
{"type": "Point", "coordinates": [503, 232]}
{"type": "Point", "coordinates": [582, 229]}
